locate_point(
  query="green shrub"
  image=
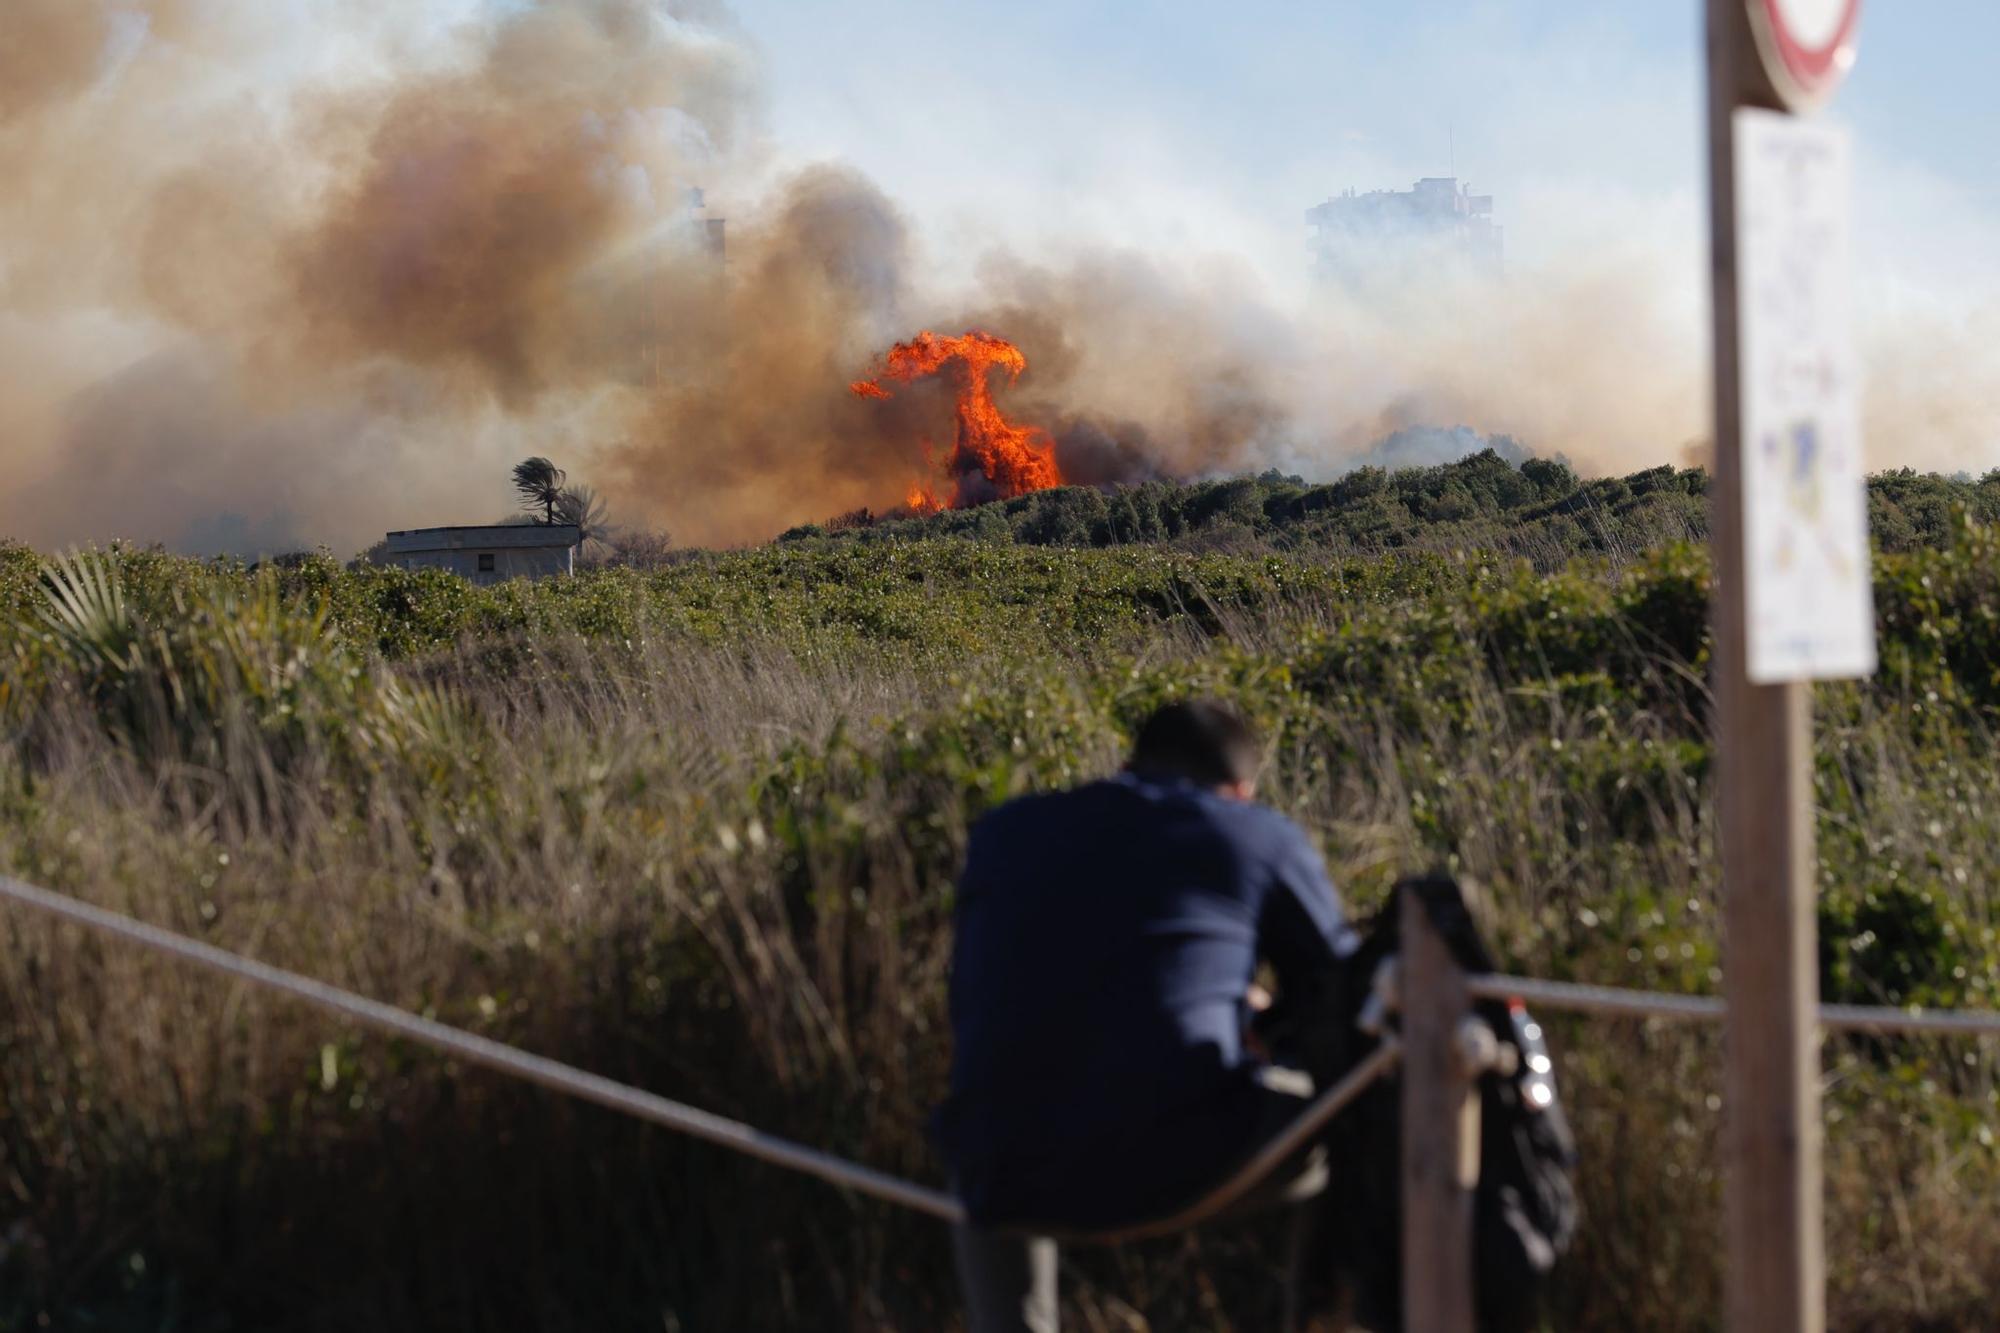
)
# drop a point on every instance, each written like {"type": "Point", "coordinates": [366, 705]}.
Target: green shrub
{"type": "Point", "coordinates": [696, 828]}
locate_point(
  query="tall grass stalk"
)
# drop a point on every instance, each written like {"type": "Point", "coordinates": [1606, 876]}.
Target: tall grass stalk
{"type": "Point", "coordinates": [718, 865]}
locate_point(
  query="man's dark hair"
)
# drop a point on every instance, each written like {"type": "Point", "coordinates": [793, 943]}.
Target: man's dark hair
{"type": "Point", "coordinates": [1199, 740]}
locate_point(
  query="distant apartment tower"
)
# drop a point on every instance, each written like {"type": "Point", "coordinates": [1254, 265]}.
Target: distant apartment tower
{"type": "Point", "coordinates": [701, 233]}
{"type": "Point", "coordinates": [1355, 235]}
{"type": "Point", "coordinates": [488, 553]}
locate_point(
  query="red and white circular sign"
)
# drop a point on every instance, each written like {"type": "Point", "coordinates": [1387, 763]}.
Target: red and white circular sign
{"type": "Point", "coordinates": [1807, 45]}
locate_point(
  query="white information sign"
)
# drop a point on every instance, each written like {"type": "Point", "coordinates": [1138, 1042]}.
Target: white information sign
{"type": "Point", "coordinates": [1810, 606]}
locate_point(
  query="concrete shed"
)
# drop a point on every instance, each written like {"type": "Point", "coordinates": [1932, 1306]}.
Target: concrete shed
{"type": "Point", "coordinates": [488, 553]}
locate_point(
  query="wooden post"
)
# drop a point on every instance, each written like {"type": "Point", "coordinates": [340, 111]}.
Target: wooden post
{"type": "Point", "coordinates": [1763, 733]}
{"type": "Point", "coordinates": [1440, 1133]}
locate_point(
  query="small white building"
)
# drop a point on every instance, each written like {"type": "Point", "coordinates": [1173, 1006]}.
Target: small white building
{"type": "Point", "coordinates": [488, 553]}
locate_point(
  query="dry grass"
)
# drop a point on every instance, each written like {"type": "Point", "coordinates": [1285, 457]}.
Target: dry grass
{"type": "Point", "coordinates": [721, 871]}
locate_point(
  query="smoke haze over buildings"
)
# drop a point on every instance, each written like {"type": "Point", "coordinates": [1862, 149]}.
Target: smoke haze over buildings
{"type": "Point", "coordinates": [273, 276]}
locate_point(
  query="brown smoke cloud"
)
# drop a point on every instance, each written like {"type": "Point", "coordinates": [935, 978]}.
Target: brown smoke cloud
{"type": "Point", "coordinates": [750, 427]}
{"type": "Point", "coordinates": [1145, 368]}
{"type": "Point", "coordinates": [480, 202]}
{"type": "Point", "coordinates": [318, 305]}
{"type": "Point", "coordinates": [312, 304]}
{"type": "Point", "coordinates": [264, 285]}
{"type": "Point", "coordinates": [51, 51]}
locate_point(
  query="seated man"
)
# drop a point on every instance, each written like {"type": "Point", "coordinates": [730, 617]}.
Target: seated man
{"type": "Point", "coordinates": [1101, 984]}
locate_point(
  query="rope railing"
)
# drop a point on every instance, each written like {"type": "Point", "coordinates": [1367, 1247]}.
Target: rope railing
{"type": "Point", "coordinates": [650, 1107]}
{"type": "Point", "coordinates": [1607, 1000]}
{"type": "Point", "coordinates": [1578, 997]}
{"type": "Point", "coordinates": [491, 1054]}
{"type": "Point", "coordinates": [1909, 1022]}
{"type": "Point", "coordinates": [1290, 1140]}
{"type": "Point", "coordinates": [753, 1142]}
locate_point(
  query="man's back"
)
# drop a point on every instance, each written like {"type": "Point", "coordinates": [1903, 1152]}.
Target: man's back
{"type": "Point", "coordinates": [1106, 941]}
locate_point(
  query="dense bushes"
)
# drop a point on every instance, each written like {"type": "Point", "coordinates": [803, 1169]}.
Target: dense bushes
{"type": "Point", "coordinates": [695, 827]}
{"type": "Point", "coordinates": [1541, 509]}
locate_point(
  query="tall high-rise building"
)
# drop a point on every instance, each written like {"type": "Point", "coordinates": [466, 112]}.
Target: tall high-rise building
{"type": "Point", "coordinates": [1356, 235]}
{"type": "Point", "coordinates": [705, 234]}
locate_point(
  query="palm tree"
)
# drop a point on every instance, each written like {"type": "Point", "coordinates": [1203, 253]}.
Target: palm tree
{"type": "Point", "coordinates": [583, 507]}
{"type": "Point", "coordinates": [540, 484]}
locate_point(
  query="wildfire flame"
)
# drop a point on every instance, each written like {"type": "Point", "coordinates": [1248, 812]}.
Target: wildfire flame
{"type": "Point", "coordinates": [1007, 459]}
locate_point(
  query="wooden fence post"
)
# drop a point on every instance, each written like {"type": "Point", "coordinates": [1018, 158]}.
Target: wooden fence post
{"type": "Point", "coordinates": [1775, 1277]}
{"type": "Point", "coordinates": [1440, 1132]}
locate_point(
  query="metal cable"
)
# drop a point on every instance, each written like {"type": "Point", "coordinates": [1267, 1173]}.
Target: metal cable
{"type": "Point", "coordinates": [1580, 998]}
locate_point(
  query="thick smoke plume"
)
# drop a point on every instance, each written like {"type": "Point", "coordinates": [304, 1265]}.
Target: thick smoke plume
{"type": "Point", "coordinates": [273, 276]}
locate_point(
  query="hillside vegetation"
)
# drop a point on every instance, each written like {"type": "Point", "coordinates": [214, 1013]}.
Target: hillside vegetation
{"type": "Point", "coordinates": [1540, 509]}
{"type": "Point", "coordinates": [695, 829]}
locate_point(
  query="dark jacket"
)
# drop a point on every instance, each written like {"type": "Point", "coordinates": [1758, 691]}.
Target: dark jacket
{"type": "Point", "coordinates": [1106, 937]}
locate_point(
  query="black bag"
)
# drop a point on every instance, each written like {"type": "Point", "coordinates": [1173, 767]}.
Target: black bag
{"type": "Point", "coordinates": [1524, 1210]}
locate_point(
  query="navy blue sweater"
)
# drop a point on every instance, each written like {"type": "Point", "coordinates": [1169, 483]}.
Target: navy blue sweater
{"type": "Point", "coordinates": [1106, 937]}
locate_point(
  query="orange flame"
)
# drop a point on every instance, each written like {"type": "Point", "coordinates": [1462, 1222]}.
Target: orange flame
{"type": "Point", "coordinates": [1010, 459]}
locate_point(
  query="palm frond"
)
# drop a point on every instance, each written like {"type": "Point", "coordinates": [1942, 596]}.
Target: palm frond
{"type": "Point", "coordinates": [540, 486]}
{"type": "Point", "coordinates": [85, 609]}
{"type": "Point", "coordinates": [584, 508]}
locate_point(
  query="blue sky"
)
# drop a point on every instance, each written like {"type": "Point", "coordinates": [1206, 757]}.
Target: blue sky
{"type": "Point", "coordinates": [1138, 173]}
{"type": "Point", "coordinates": [1197, 133]}
{"type": "Point", "coordinates": [1045, 116]}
